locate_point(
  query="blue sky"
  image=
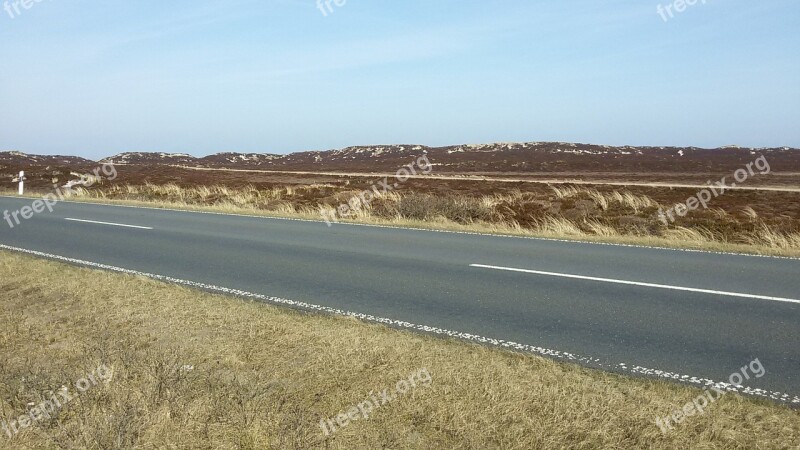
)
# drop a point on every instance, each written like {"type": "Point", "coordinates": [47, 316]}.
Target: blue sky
{"type": "Point", "coordinates": [97, 78]}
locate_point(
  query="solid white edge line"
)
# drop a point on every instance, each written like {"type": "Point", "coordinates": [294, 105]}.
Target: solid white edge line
{"type": "Point", "coordinates": [570, 357]}
{"type": "Point", "coordinates": [108, 223]}
{"type": "Point", "coordinates": [638, 283]}
{"type": "Point", "coordinates": [471, 233]}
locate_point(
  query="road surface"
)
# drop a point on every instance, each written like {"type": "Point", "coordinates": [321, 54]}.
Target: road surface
{"type": "Point", "coordinates": [694, 316]}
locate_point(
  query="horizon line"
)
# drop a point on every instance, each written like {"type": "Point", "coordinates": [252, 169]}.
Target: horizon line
{"type": "Point", "coordinates": [178, 153]}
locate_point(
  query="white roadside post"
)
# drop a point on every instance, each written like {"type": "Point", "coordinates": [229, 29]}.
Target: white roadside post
{"type": "Point", "coordinates": [21, 180]}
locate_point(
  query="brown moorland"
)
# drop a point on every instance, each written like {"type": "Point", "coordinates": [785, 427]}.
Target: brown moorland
{"type": "Point", "coordinates": [492, 194]}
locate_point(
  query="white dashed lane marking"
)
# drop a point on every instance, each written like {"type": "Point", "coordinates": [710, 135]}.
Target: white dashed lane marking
{"type": "Point", "coordinates": [109, 223]}
{"type": "Point", "coordinates": [639, 283]}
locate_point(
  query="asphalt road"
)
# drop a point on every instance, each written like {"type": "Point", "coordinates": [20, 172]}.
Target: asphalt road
{"type": "Point", "coordinates": [693, 316]}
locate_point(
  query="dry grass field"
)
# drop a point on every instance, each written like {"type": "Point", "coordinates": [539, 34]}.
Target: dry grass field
{"type": "Point", "coordinates": [762, 222]}
{"type": "Point", "coordinates": [750, 221]}
{"type": "Point", "coordinates": [195, 370]}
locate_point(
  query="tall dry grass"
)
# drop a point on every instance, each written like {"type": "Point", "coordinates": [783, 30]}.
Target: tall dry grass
{"type": "Point", "coordinates": [570, 212]}
{"type": "Point", "coordinates": [604, 201]}
{"type": "Point", "coordinates": [768, 237]}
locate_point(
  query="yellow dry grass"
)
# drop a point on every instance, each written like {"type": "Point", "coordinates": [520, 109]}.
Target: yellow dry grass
{"type": "Point", "coordinates": [559, 226]}
{"type": "Point", "coordinates": [476, 215]}
{"type": "Point", "coordinates": [195, 371]}
{"type": "Point", "coordinates": [768, 237]}
{"type": "Point", "coordinates": [604, 200]}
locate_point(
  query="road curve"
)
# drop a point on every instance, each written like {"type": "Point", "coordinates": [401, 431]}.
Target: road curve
{"type": "Point", "coordinates": [693, 316]}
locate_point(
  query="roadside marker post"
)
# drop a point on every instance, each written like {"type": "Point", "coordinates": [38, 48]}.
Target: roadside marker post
{"type": "Point", "coordinates": [21, 180]}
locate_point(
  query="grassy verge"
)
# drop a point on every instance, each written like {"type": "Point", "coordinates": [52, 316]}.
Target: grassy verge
{"type": "Point", "coordinates": [762, 240]}
{"type": "Point", "coordinates": [195, 370]}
